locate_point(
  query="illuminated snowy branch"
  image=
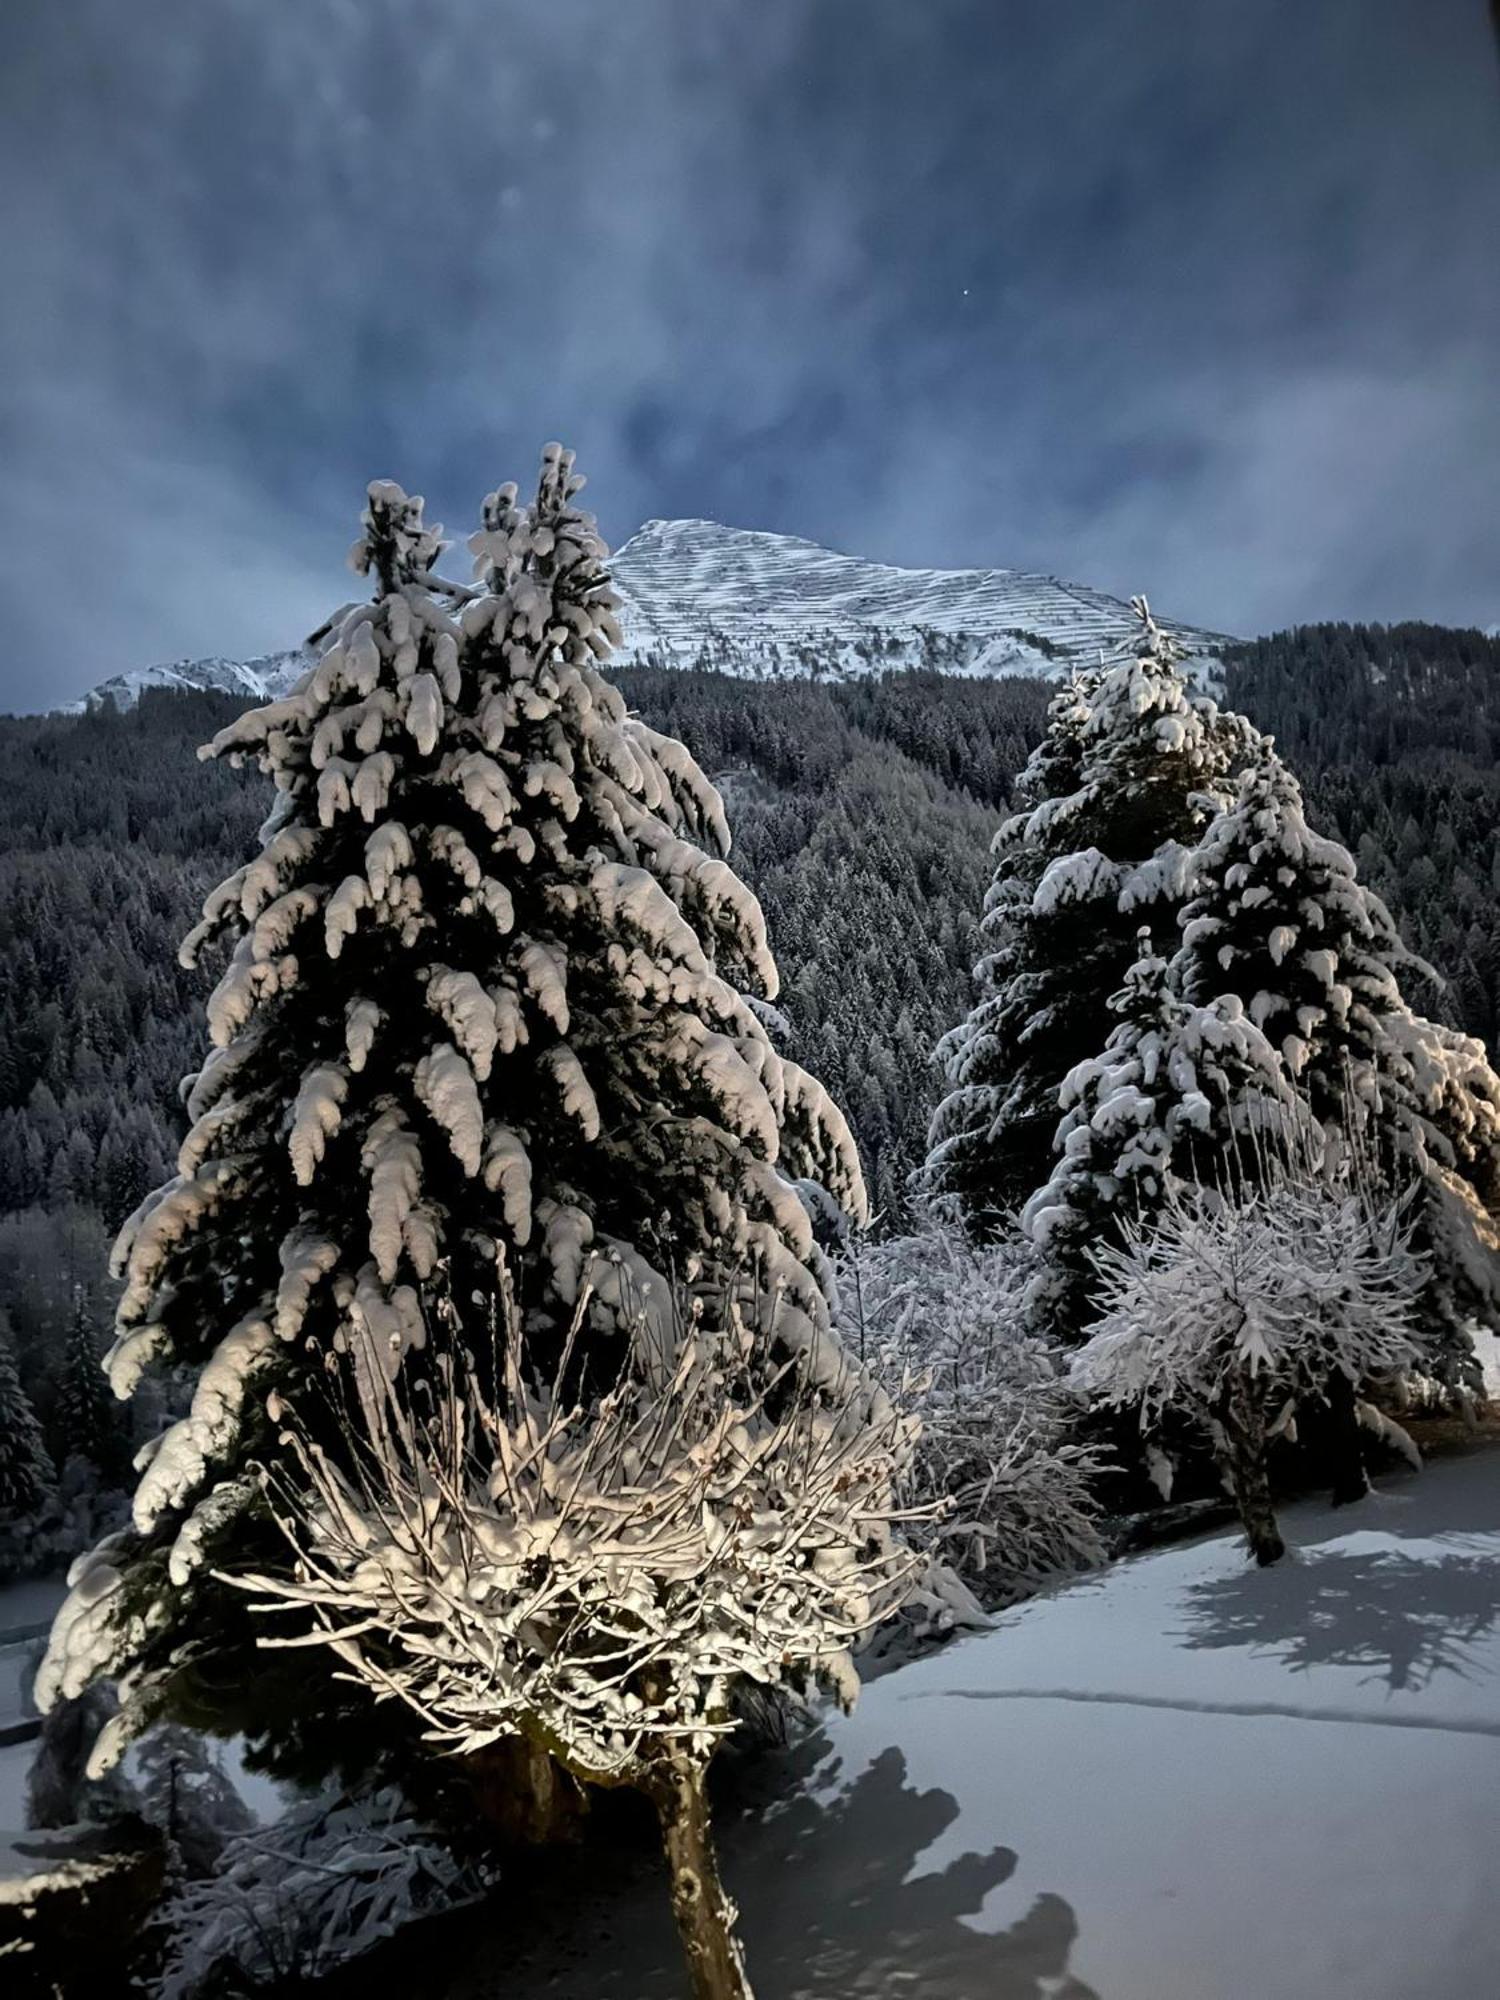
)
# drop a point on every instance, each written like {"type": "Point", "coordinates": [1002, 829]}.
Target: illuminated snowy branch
{"type": "Point", "coordinates": [595, 1576]}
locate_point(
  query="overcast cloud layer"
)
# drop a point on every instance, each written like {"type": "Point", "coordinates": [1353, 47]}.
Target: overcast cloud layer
{"type": "Point", "coordinates": [1200, 297]}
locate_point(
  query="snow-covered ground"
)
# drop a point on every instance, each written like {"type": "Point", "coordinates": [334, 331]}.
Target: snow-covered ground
{"type": "Point", "coordinates": [1182, 1779]}
{"type": "Point", "coordinates": [24, 1605]}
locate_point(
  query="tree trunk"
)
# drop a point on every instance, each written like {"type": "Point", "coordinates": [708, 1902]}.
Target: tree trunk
{"type": "Point", "coordinates": [525, 1795]}
{"type": "Point", "coordinates": [1244, 1424]}
{"type": "Point", "coordinates": [1346, 1447]}
{"type": "Point", "coordinates": [705, 1915]}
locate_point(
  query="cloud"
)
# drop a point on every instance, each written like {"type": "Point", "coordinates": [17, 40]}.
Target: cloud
{"type": "Point", "coordinates": [158, 557]}
{"type": "Point", "coordinates": [1195, 298]}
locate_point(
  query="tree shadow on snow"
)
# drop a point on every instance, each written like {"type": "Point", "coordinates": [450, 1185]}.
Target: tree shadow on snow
{"type": "Point", "coordinates": [1405, 1619]}
{"type": "Point", "coordinates": [832, 1906]}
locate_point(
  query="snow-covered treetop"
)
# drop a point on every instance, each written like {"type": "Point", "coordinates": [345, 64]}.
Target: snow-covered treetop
{"type": "Point", "coordinates": [1278, 915]}
{"type": "Point", "coordinates": [1152, 741]}
{"type": "Point", "coordinates": [396, 545]}
{"type": "Point", "coordinates": [1123, 743]}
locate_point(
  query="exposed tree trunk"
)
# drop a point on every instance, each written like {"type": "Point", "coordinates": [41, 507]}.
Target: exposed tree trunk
{"type": "Point", "coordinates": [705, 1915]}
{"type": "Point", "coordinates": [1345, 1444]}
{"type": "Point", "coordinates": [525, 1795]}
{"type": "Point", "coordinates": [1244, 1423]}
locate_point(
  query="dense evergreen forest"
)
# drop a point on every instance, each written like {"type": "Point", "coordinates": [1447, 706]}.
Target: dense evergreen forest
{"type": "Point", "coordinates": [861, 811]}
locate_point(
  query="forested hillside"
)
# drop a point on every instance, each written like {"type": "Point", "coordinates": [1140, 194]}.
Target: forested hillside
{"type": "Point", "coordinates": [862, 814]}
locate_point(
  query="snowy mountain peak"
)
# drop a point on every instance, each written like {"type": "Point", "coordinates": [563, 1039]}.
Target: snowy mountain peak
{"type": "Point", "coordinates": [769, 606]}
{"type": "Point", "coordinates": [759, 604]}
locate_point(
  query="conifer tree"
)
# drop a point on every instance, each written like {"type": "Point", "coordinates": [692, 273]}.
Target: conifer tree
{"type": "Point", "coordinates": [26, 1476]}
{"type": "Point", "coordinates": [1278, 916]}
{"type": "Point", "coordinates": [1003, 1063]}
{"type": "Point", "coordinates": [482, 1009]}
{"type": "Point", "coordinates": [1180, 1092]}
{"type": "Point", "coordinates": [187, 1796]}
{"type": "Point", "coordinates": [1133, 765]}
{"type": "Point", "coordinates": [87, 1420]}
{"type": "Point", "coordinates": [1280, 919]}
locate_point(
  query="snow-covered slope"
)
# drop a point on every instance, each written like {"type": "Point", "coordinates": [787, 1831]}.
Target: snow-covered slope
{"type": "Point", "coordinates": [1181, 1779]}
{"type": "Point", "coordinates": [259, 679]}
{"type": "Point", "coordinates": [765, 606]}
{"type": "Point", "coordinates": [759, 605]}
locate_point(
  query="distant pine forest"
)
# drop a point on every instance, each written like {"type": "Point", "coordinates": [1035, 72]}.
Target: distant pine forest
{"type": "Point", "coordinates": [862, 814]}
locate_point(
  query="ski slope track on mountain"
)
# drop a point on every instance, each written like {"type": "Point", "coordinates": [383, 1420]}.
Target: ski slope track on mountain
{"type": "Point", "coordinates": [761, 606]}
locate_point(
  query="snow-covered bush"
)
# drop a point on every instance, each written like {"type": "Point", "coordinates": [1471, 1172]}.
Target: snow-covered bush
{"type": "Point", "coordinates": [1235, 1308]}
{"type": "Point", "coordinates": [290, 1901]}
{"type": "Point", "coordinates": [598, 1574]}
{"type": "Point", "coordinates": [941, 1321]}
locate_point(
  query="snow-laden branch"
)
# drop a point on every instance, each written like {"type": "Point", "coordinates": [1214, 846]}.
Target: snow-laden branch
{"type": "Point", "coordinates": [1236, 1306]}
{"type": "Point", "coordinates": [596, 1574]}
{"type": "Point", "coordinates": [941, 1321]}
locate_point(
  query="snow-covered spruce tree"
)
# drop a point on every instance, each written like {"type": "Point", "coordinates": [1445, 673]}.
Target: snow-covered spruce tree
{"type": "Point", "coordinates": [1175, 1086]}
{"type": "Point", "coordinates": [1004, 1061]}
{"type": "Point", "coordinates": [1132, 766]}
{"type": "Point", "coordinates": [87, 1420]}
{"type": "Point", "coordinates": [26, 1476]}
{"type": "Point", "coordinates": [601, 1574]}
{"type": "Point", "coordinates": [1280, 918]}
{"type": "Point", "coordinates": [481, 995]}
{"type": "Point", "coordinates": [1236, 1306]}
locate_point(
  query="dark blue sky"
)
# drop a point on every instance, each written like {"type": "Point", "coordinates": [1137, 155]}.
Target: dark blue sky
{"type": "Point", "coordinates": [1200, 297]}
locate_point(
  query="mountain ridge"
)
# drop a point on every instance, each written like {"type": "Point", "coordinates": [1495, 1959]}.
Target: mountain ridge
{"type": "Point", "coordinates": [765, 606]}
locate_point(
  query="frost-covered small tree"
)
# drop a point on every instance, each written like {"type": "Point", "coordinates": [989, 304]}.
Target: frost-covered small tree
{"type": "Point", "coordinates": [598, 1574]}
{"type": "Point", "coordinates": [1133, 764]}
{"type": "Point", "coordinates": [1176, 1091]}
{"type": "Point", "coordinates": [26, 1477]}
{"type": "Point", "coordinates": [1279, 918]}
{"type": "Point", "coordinates": [187, 1796]}
{"type": "Point", "coordinates": [1235, 1308]}
{"type": "Point", "coordinates": [999, 1458]}
{"type": "Point", "coordinates": [483, 992]}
